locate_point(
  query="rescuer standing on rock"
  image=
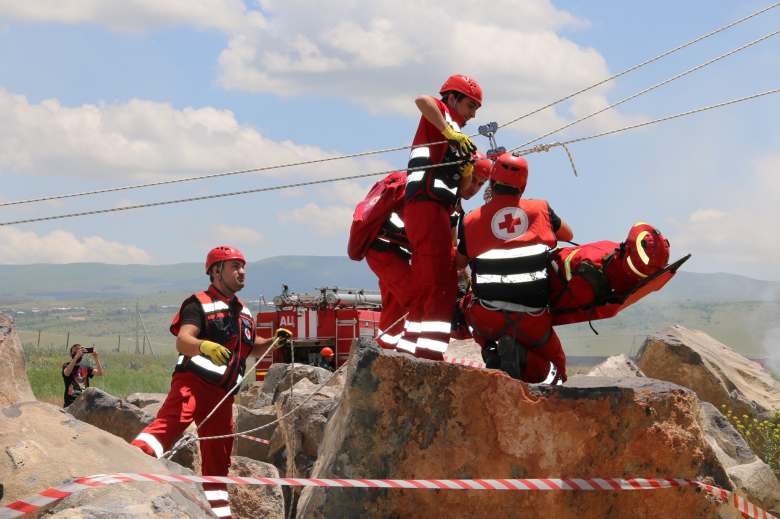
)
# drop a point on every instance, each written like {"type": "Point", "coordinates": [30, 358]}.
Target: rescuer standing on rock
{"type": "Point", "coordinates": [215, 333]}
{"type": "Point", "coordinates": [506, 242]}
{"type": "Point", "coordinates": [431, 197]}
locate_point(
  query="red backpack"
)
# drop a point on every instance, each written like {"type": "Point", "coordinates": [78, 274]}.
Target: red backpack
{"type": "Point", "coordinates": [373, 211]}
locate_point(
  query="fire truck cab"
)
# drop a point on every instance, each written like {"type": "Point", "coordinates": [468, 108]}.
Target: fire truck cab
{"type": "Point", "coordinates": [331, 317]}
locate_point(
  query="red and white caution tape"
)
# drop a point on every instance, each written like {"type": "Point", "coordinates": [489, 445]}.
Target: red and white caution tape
{"type": "Point", "coordinates": [51, 495]}
{"type": "Point", "coordinates": [254, 439]}
{"type": "Point", "coordinates": [464, 362]}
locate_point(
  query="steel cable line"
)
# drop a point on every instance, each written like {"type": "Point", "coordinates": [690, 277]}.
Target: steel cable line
{"type": "Point", "coordinates": [652, 87]}
{"type": "Point", "coordinates": [535, 149]}
{"type": "Point", "coordinates": [386, 150]}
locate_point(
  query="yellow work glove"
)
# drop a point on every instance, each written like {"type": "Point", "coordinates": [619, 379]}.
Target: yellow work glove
{"type": "Point", "coordinates": [283, 336]}
{"type": "Point", "coordinates": [460, 140]}
{"type": "Point", "coordinates": [218, 354]}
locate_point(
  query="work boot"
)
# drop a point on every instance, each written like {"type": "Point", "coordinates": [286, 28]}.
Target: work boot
{"type": "Point", "coordinates": [513, 357]}
{"type": "Point", "coordinates": [490, 356]}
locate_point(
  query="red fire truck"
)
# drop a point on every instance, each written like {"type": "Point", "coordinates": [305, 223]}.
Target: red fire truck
{"type": "Point", "coordinates": [331, 317]}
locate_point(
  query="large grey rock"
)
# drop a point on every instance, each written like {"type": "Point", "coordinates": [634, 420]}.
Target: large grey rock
{"type": "Point", "coordinates": [747, 472]}
{"type": "Point", "coordinates": [247, 419]}
{"type": "Point", "coordinates": [142, 400]}
{"type": "Point", "coordinates": [616, 366]}
{"type": "Point", "coordinates": [255, 501]}
{"type": "Point", "coordinates": [14, 386]}
{"type": "Point", "coordinates": [716, 373]}
{"type": "Point", "coordinates": [253, 397]}
{"type": "Point", "coordinates": [406, 418]}
{"type": "Point", "coordinates": [96, 407]}
{"type": "Point", "coordinates": [280, 377]}
{"type": "Point", "coordinates": [42, 446]}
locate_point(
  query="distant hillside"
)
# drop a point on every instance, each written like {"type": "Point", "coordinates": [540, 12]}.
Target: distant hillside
{"type": "Point", "coordinates": [301, 273]}
{"type": "Point", "coordinates": [102, 281]}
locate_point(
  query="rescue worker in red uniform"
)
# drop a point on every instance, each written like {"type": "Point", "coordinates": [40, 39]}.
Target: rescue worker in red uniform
{"type": "Point", "coordinates": [389, 255]}
{"type": "Point", "coordinates": [432, 193]}
{"type": "Point", "coordinates": [215, 333]}
{"type": "Point", "coordinates": [506, 243]}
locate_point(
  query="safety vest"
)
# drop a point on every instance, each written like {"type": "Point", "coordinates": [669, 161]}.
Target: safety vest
{"type": "Point", "coordinates": [508, 241]}
{"type": "Point", "coordinates": [437, 184]}
{"type": "Point", "coordinates": [227, 323]}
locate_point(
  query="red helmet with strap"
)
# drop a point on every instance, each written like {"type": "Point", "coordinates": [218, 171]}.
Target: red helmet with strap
{"type": "Point", "coordinates": [223, 253]}
{"type": "Point", "coordinates": [647, 251]}
{"type": "Point", "coordinates": [510, 170]}
{"type": "Point", "coordinates": [464, 85]}
{"type": "Point", "coordinates": [482, 166]}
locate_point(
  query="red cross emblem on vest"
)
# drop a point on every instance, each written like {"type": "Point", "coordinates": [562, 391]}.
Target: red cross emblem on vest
{"type": "Point", "coordinates": [509, 223]}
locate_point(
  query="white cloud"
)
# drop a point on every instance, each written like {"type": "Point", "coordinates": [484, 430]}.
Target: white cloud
{"type": "Point", "coordinates": [24, 247]}
{"type": "Point", "coordinates": [133, 15]}
{"type": "Point", "coordinates": [236, 235]}
{"type": "Point", "coordinates": [327, 221]}
{"type": "Point", "coordinates": [384, 54]}
{"type": "Point", "coordinates": [738, 236]}
{"type": "Point", "coordinates": [143, 140]}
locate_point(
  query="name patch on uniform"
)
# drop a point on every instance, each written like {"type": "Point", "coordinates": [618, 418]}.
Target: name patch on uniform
{"type": "Point", "coordinates": [509, 223]}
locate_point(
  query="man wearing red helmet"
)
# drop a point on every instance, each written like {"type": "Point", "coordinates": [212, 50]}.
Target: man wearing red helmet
{"type": "Point", "coordinates": [215, 333]}
{"type": "Point", "coordinates": [432, 194]}
{"type": "Point", "coordinates": [506, 243]}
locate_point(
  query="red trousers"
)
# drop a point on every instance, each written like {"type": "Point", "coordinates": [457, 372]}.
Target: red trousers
{"type": "Point", "coordinates": [433, 280]}
{"type": "Point", "coordinates": [393, 272]}
{"type": "Point", "coordinates": [192, 398]}
{"type": "Point", "coordinates": [528, 330]}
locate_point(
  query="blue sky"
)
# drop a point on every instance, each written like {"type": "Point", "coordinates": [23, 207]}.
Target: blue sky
{"type": "Point", "coordinates": [104, 93]}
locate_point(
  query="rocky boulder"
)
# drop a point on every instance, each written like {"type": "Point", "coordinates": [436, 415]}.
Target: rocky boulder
{"type": "Point", "coordinates": [253, 501]}
{"type": "Point", "coordinates": [616, 366]}
{"type": "Point", "coordinates": [42, 446]}
{"type": "Point", "coordinates": [406, 418]}
{"type": "Point", "coordinates": [716, 373]}
{"type": "Point", "coordinates": [247, 419]}
{"type": "Point", "coordinates": [112, 414]}
{"type": "Point", "coordinates": [280, 377]}
{"type": "Point", "coordinates": [748, 473]}
{"type": "Point", "coordinates": [253, 397]}
{"type": "Point", "coordinates": [145, 399]}
{"type": "Point", "coordinates": [14, 386]}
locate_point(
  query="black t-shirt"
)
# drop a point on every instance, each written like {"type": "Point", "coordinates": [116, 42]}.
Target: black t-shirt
{"type": "Point", "coordinates": [191, 312]}
{"type": "Point", "coordinates": [77, 382]}
{"type": "Point", "coordinates": [555, 220]}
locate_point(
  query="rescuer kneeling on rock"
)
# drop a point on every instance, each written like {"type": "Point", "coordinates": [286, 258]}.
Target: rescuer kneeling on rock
{"type": "Point", "coordinates": [215, 333]}
{"type": "Point", "coordinates": [506, 243]}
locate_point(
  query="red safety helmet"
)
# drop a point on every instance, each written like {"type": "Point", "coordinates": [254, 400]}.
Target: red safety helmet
{"type": "Point", "coordinates": [464, 85]}
{"type": "Point", "coordinates": [482, 166]}
{"type": "Point", "coordinates": [326, 352]}
{"type": "Point", "coordinates": [223, 253]}
{"type": "Point", "coordinates": [510, 170]}
{"type": "Point", "coordinates": [647, 251]}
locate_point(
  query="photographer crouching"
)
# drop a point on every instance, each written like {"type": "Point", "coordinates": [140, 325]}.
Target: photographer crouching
{"type": "Point", "coordinates": [76, 376]}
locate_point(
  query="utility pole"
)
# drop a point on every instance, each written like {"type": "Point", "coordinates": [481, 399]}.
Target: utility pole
{"type": "Point", "coordinates": [137, 350]}
{"type": "Point", "coordinates": [39, 340]}
{"type": "Point", "coordinates": [118, 342]}
{"type": "Point", "coordinates": [67, 341]}
{"type": "Point", "coordinates": [146, 335]}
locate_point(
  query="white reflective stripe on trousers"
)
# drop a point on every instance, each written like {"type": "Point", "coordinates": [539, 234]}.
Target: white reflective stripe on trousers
{"type": "Point", "coordinates": [430, 344]}
{"type": "Point", "coordinates": [517, 252]}
{"type": "Point", "coordinates": [152, 442]}
{"type": "Point", "coordinates": [389, 339]}
{"type": "Point", "coordinates": [216, 495]}
{"type": "Point", "coordinates": [405, 345]}
{"type": "Point", "coordinates": [413, 327]}
{"type": "Point", "coordinates": [222, 511]}
{"type": "Point", "coordinates": [512, 278]}
{"type": "Point", "coordinates": [435, 327]}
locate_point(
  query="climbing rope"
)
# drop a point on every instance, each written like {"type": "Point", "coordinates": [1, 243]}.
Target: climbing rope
{"type": "Point", "coordinates": [397, 148]}
{"type": "Point", "coordinates": [653, 87]}
{"type": "Point", "coordinates": [517, 151]}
